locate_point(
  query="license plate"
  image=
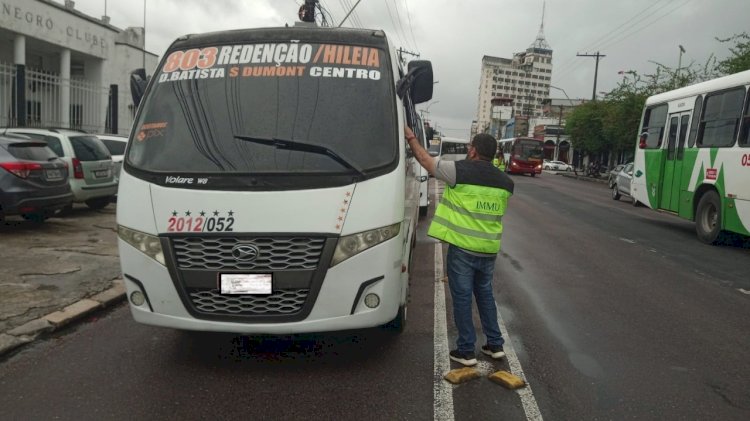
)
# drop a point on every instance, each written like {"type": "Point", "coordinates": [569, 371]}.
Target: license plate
{"type": "Point", "coordinates": [53, 174]}
{"type": "Point", "coordinates": [234, 283]}
{"type": "Point", "coordinates": [101, 173]}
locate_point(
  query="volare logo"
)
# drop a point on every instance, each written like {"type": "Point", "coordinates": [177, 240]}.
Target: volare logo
{"type": "Point", "coordinates": [711, 173]}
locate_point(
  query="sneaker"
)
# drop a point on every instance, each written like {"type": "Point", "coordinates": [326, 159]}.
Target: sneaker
{"type": "Point", "coordinates": [465, 358]}
{"type": "Point", "coordinates": [494, 351]}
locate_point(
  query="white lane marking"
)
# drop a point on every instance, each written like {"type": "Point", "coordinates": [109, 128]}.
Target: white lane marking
{"type": "Point", "coordinates": [627, 240]}
{"type": "Point", "coordinates": [744, 291]}
{"type": "Point", "coordinates": [528, 402]}
{"type": "Point", "coordinates": [442, 390]}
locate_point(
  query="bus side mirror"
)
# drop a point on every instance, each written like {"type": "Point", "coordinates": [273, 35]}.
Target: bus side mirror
{"type": "Point", "coordinates": [418, 82]}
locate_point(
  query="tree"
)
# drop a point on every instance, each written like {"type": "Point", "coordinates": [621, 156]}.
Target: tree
{"type": "Point", "coordinates": [740, 58]}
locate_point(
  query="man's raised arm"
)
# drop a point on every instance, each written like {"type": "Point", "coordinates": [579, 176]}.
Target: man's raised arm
{"type": "Point", "coordinates": [423, 157]}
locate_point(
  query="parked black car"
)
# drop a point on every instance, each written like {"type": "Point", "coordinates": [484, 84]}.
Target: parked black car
{"type": "Point", "coordinates": [33, 180]}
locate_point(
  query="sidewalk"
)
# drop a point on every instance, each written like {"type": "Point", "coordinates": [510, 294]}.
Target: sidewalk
{"type": "Point", "coordinates": [55, 273]}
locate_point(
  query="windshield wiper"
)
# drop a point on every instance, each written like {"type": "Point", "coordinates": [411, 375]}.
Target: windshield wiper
{"type": "Point", "coordinates": [304, 147]}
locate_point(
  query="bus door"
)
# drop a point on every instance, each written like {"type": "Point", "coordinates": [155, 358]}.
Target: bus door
{"type": "Point", "coordinates": [672, 181]}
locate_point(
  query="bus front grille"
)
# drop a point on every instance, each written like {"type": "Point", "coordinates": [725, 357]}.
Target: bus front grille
{"type": "Point", "coordinates": [277, 253]}
{"type": "Point", "coordinates": [282, 302]}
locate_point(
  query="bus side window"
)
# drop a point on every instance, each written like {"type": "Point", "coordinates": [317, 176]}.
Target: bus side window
{"type": "Point", "coordinates": [695, 121]}
{"type": "Point", "coordinates": [745, 130]}
{"type": "Point", "coordinates": [654, 121]}
{"type": "Point", "coordinates": [721, 118]}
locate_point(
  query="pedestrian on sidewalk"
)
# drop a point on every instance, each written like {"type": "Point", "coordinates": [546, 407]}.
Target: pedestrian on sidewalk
{"type": "Point", "coordinates": [469, 219]}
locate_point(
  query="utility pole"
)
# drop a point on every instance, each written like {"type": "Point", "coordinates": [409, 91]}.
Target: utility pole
{"type": "Point", "coordinates": [679, 61]}
{"type": "Point", "coordinates": [401, 53]}
{"type": "Point", "coordinates": [596, 70]}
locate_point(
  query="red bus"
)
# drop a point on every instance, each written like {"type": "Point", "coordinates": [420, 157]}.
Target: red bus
{"type": "Point", "coordinates": [523, 155]}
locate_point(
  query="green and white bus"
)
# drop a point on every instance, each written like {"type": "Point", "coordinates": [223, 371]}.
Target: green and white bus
{"type": "Point", "coordinates": [693, 157]}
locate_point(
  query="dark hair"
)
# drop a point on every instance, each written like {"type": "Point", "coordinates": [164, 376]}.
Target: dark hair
{"type": "Point", "coordinates": [485, 145]}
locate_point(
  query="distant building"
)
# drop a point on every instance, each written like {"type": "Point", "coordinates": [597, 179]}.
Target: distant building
{"type": "Point", "coordinates": [522, 81]}
{"type": "Point", "coordinates": [62, 68]}
{"type": "Point", "coordinates": [551, 129]}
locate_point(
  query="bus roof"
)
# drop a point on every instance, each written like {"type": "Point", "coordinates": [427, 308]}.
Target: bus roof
{"type": "Point", "coordinates": [364, 37]}
{"type": "Point", "coordinates": [737, 79]}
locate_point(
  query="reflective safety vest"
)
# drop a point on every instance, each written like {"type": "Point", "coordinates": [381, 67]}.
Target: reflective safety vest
{"type": "Point", "coordinates": [470, 214]}
{"type": "Point", "coordinates": [498, 165]}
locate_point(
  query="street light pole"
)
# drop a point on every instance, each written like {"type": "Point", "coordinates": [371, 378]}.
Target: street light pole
{"type": "Point", "coordinates": [559, 124]}
{"type": "Point", "coordinates": [427, 109]}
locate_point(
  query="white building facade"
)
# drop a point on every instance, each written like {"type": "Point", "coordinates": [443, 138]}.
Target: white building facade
{"type": "Point", "coordinates": [523, 80]}
{"type": "Point", "coordinates": [62, 68]}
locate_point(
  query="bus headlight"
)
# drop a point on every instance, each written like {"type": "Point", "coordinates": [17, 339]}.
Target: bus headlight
{"type": "Point", "coordinates": [147, 244]}
{"type": "Point", "coordinates": [354, 244]}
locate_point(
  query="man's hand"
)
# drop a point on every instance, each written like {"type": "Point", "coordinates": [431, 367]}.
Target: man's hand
{"type": "Point", "coordinates": [408, 133]}
{"type": "Point", "coordinates": [423, 157]}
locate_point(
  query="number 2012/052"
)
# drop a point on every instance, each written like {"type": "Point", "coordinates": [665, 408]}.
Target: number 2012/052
{"type": "Point", "coordinates": [200, 224]}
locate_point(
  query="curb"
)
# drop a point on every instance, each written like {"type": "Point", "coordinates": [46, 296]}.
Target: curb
{"type": "Point", "coordinates": [32, 330]}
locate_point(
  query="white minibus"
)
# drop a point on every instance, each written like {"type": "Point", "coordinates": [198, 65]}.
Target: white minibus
{"type": "Point", "coordinates": [267, 186]}
{"type": "Point", "coordinates": [453, 148]}
{"type": "Point", "coordinates": [693, 156]}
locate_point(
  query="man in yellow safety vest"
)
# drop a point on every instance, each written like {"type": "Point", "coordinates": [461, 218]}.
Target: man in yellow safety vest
{"type": "Point", "coordinates": [469, 219]}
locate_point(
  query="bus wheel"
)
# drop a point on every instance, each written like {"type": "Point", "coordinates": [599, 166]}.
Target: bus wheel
{"type": "Point", "coordinates": [533, 174]}
{"type": "Point", "coordinates": [708, 218]}
{"type": "Point", "coordinates": [615, 192]}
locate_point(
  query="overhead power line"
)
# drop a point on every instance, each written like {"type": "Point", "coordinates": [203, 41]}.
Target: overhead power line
{"type": "Point", "coordinates": [574, 62]}
{"type": "Point", "coordinates": [395, 28]}
{"type": "Point", "coordinates": [400, 23]}
{"type": "Point", "coordinates": [636, 30]}
{"type": "Point", "coordinates": [411, 27]}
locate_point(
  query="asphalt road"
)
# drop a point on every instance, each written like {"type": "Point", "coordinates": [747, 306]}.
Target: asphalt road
{"type": "Point", "coordinates": [614, 312]}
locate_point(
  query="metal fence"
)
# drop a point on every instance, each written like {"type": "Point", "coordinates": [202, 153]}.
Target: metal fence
{"type": "Point", "coordinates": [86, 110]}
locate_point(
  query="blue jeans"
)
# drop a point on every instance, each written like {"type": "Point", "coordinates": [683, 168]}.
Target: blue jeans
{"type": "Point", "coordinates": [469, 274]}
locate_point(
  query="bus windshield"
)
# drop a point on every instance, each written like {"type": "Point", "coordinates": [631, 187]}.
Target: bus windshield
{"type": "Point", "coordinates": [528, 150]}
{"type": "Point", "coordinates": [230, 113]}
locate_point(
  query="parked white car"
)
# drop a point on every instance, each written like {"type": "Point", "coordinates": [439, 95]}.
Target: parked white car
{"type": "Point", "coordinates": [116, 145]}
{"type": "Point", "coordinates": [90, 165]}
{"type": "Point", "coordinates": [557, 166]}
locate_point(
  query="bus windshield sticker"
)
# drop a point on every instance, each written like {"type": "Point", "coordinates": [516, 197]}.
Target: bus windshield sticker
{"type": "Point", "coordinates": [149, 130]}
{"type": "Point", "coordinates": [273, 60]}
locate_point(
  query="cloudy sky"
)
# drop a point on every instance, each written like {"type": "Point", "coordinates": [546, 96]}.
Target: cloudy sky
{"type": "Point", "coordinates": [455, 34]}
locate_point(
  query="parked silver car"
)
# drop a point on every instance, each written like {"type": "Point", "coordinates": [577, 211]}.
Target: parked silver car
{"type": "Point", "coordinates": [612, 175]}
{"type": "Point", "coordinates": [621, 185]}
{"type": "Point", "coordinates": [92, 178]}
